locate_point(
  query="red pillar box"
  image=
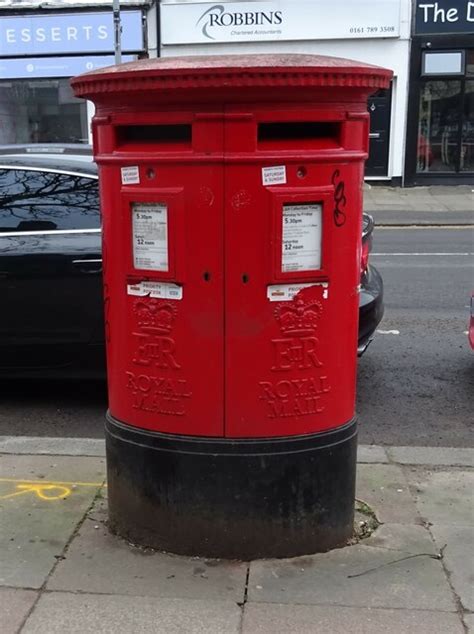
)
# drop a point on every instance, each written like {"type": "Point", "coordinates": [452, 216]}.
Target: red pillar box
{"type": "Point", "coordinates": [231, 192]}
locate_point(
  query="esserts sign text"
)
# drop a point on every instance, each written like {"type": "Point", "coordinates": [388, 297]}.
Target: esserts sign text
{"type": "Point", "coordinates": [68, 33]}
{"type": "Point", "coordinates": [56, 34]}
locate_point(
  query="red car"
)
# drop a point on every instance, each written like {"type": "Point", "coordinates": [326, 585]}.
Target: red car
{"type": "Point", "coordinates": [470, 333]}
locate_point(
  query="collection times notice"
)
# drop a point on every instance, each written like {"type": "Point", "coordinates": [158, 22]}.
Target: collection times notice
{"type": "Point", "coordinates": [301, 237]}
{"type": "Point", "coordinates": [150, 236]}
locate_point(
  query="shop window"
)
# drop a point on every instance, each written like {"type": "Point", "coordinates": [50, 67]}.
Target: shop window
{"type": "Point", "coordinates": [443, 63]}
{"type": "Point", "coordinates": [445, 140]}
{"type": "Point", "coordinates": [467, 142]}
{"type": "Point", "coordinates": [41, 111]}
{"type": "Point", "coordinates": [470, 63]}
{"type": "Point", "coordinates": [438, 126]}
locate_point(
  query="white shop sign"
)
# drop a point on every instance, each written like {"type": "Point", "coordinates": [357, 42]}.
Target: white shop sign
{"type": "Point", "coordinates": [207, 22]}
{"type": "Point", "coordinates": [150, 236]}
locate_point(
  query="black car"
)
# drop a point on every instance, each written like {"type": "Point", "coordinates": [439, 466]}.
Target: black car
{"type": "Point", "coordinates": [371, 305]}
{"type": "Point", "coordinates": [51, 322]}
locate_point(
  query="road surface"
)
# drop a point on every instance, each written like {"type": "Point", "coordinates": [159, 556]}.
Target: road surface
{"type": "Point", "coordinates": [416, 380]}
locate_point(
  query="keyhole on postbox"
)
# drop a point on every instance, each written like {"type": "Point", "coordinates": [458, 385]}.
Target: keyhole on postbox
{"type": "Point", "coordinates": [245, 278]}
{"type": "Point", "coordinates": [301, 171]}
{"type": "Point", "coordinates": [207, 276]}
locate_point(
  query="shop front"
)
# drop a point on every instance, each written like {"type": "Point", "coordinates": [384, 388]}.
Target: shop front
{"type": "Point", "coordinates": [39, 53]}
{"type": "Point", "coordinates": [371, 31]}
{"type": "Point", "coordinates": [440, 131]}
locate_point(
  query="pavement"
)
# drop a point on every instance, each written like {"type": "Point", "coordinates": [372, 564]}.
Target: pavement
{"type": "Point", "coordinates": [420, 206]}
{"type": "Point", "coordinates": [61, 571]}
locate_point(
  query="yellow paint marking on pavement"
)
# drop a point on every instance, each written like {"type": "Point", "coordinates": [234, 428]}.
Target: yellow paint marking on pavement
{"type": "Point", "coordinates": [59, 482]}
{"type": "Point", "coordinates": [48, 490]}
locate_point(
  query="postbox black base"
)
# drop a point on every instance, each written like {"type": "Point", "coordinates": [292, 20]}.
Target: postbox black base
{"type": "Point", "coordinates": [235, 499]}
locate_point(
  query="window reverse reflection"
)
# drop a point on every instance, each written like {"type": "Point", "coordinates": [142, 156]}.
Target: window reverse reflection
{"type": "Point", "coordinates": [44, 201]}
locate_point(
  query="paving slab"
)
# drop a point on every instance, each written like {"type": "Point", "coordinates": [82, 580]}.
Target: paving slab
{"type": "Point", "coordinates": [378, 205]}
{"type": "Point", "coordinates": [52, 446]}
{"type": "Point", "coordinates": [371, 454]}
{"type": "Point", "coordinates": [97, 561]}
{"type": "Point", "coordinates": [60, 612]}
{"type": "Point", "coordinates": [421, 214]}
{"type": "Point", "coordinates": [309, 619]}
{"type": "Point", "coordinates": [445, 496]}
{"type": "Point", "coordinates": [60, 468]}
{"type": "Point", "coordinates": [428, 205]}
{"type": "Point", "coordinates": [469, 622]}
{"type": "Point", "coordinates": [439, 456]}
{"type": "Point", "coordinates": [451, 190]}
{"type": "Point", "coordinates": [403, 539]}
{"type": "Point", "coordinates": [14, 606]}
{"type": "Point", "coordinates": [458, 559]}
{"type": "Point", "coordinates": [385, 488]}
{"type": "Point", "coordinates": [450, 198]}
{"type": "Point", "coordinates": [418, 583]}
{"type": "Point", "coordinates": [42, 500]}
{"type": "Point", "coordinates": [456, 203]}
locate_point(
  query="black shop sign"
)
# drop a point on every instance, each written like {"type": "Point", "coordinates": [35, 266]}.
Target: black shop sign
{"type": "Point", "coordinates": [444, 16]}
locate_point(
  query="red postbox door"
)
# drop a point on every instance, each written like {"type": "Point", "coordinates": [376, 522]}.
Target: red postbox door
{"type": "Point", "coordinates": [164, 275]}
{"type": "Point", "coordinates": [293, 215]}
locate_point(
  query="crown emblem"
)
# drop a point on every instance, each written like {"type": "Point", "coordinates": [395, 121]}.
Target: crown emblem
{"type": "Point", "coordinates": [155, 317]}
{"type": "Point", "coordinates": [299, 318]}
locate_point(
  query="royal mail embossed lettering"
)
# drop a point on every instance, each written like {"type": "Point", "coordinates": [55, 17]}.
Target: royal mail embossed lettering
{"type": "Point", "coordinates": [154, 346]}
{"type": "Point", "coordinates": [297, 348]}
{"type": "Point", "coordinates": [296, 352]}
{"type": "Point", "coordinates": [292, 353]}
{"type": "Point", "coordinates": [157, 394]}
{"type": "Point", "coordinates": [155, 350]}
{"type": "Point", "coordinates": [294, 397]}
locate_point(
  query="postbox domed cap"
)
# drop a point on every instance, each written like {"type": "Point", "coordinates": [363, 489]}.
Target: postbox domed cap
{"type": "Point", "coordinates": [172, 78]}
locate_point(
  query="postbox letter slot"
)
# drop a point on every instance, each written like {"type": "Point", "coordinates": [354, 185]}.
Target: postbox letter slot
{"type": "Point", "coordinates": [299, 134]}
{"type": "Point", "coordinates": [161, 135]}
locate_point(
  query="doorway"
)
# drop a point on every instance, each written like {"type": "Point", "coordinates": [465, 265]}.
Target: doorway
{"type": "Point", "coordinates": [379, 105]}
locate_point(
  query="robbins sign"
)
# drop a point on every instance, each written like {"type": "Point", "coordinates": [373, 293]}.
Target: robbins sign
{"type": "Point", "coordinates": [199, 23]}
{"type": "Point", "coordinates": [445, 16]}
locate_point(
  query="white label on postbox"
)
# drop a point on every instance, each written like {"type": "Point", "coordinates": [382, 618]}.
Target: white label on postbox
{"type": "Point", "coordinates": [301, 237]}
{"type": "Point", "coordinates": [274, 175]}
{"type": "Point", "coordinates": [130, 175]}
{"type": "Point", "coordinates": [287, 292]}
{"type": "Point", "coordinates": [150, 236]}
{"type": "Point", "coordinates": [160, 290]}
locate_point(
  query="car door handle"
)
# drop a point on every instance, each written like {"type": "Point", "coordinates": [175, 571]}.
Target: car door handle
{"type": "Point", "coordinates": [88, 266]}
{"type": "Point", "coordinates": [374, 135]}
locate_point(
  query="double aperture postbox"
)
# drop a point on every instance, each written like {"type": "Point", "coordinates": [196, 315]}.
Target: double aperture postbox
{"type": "Point", "coordinates": [231, 193]}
